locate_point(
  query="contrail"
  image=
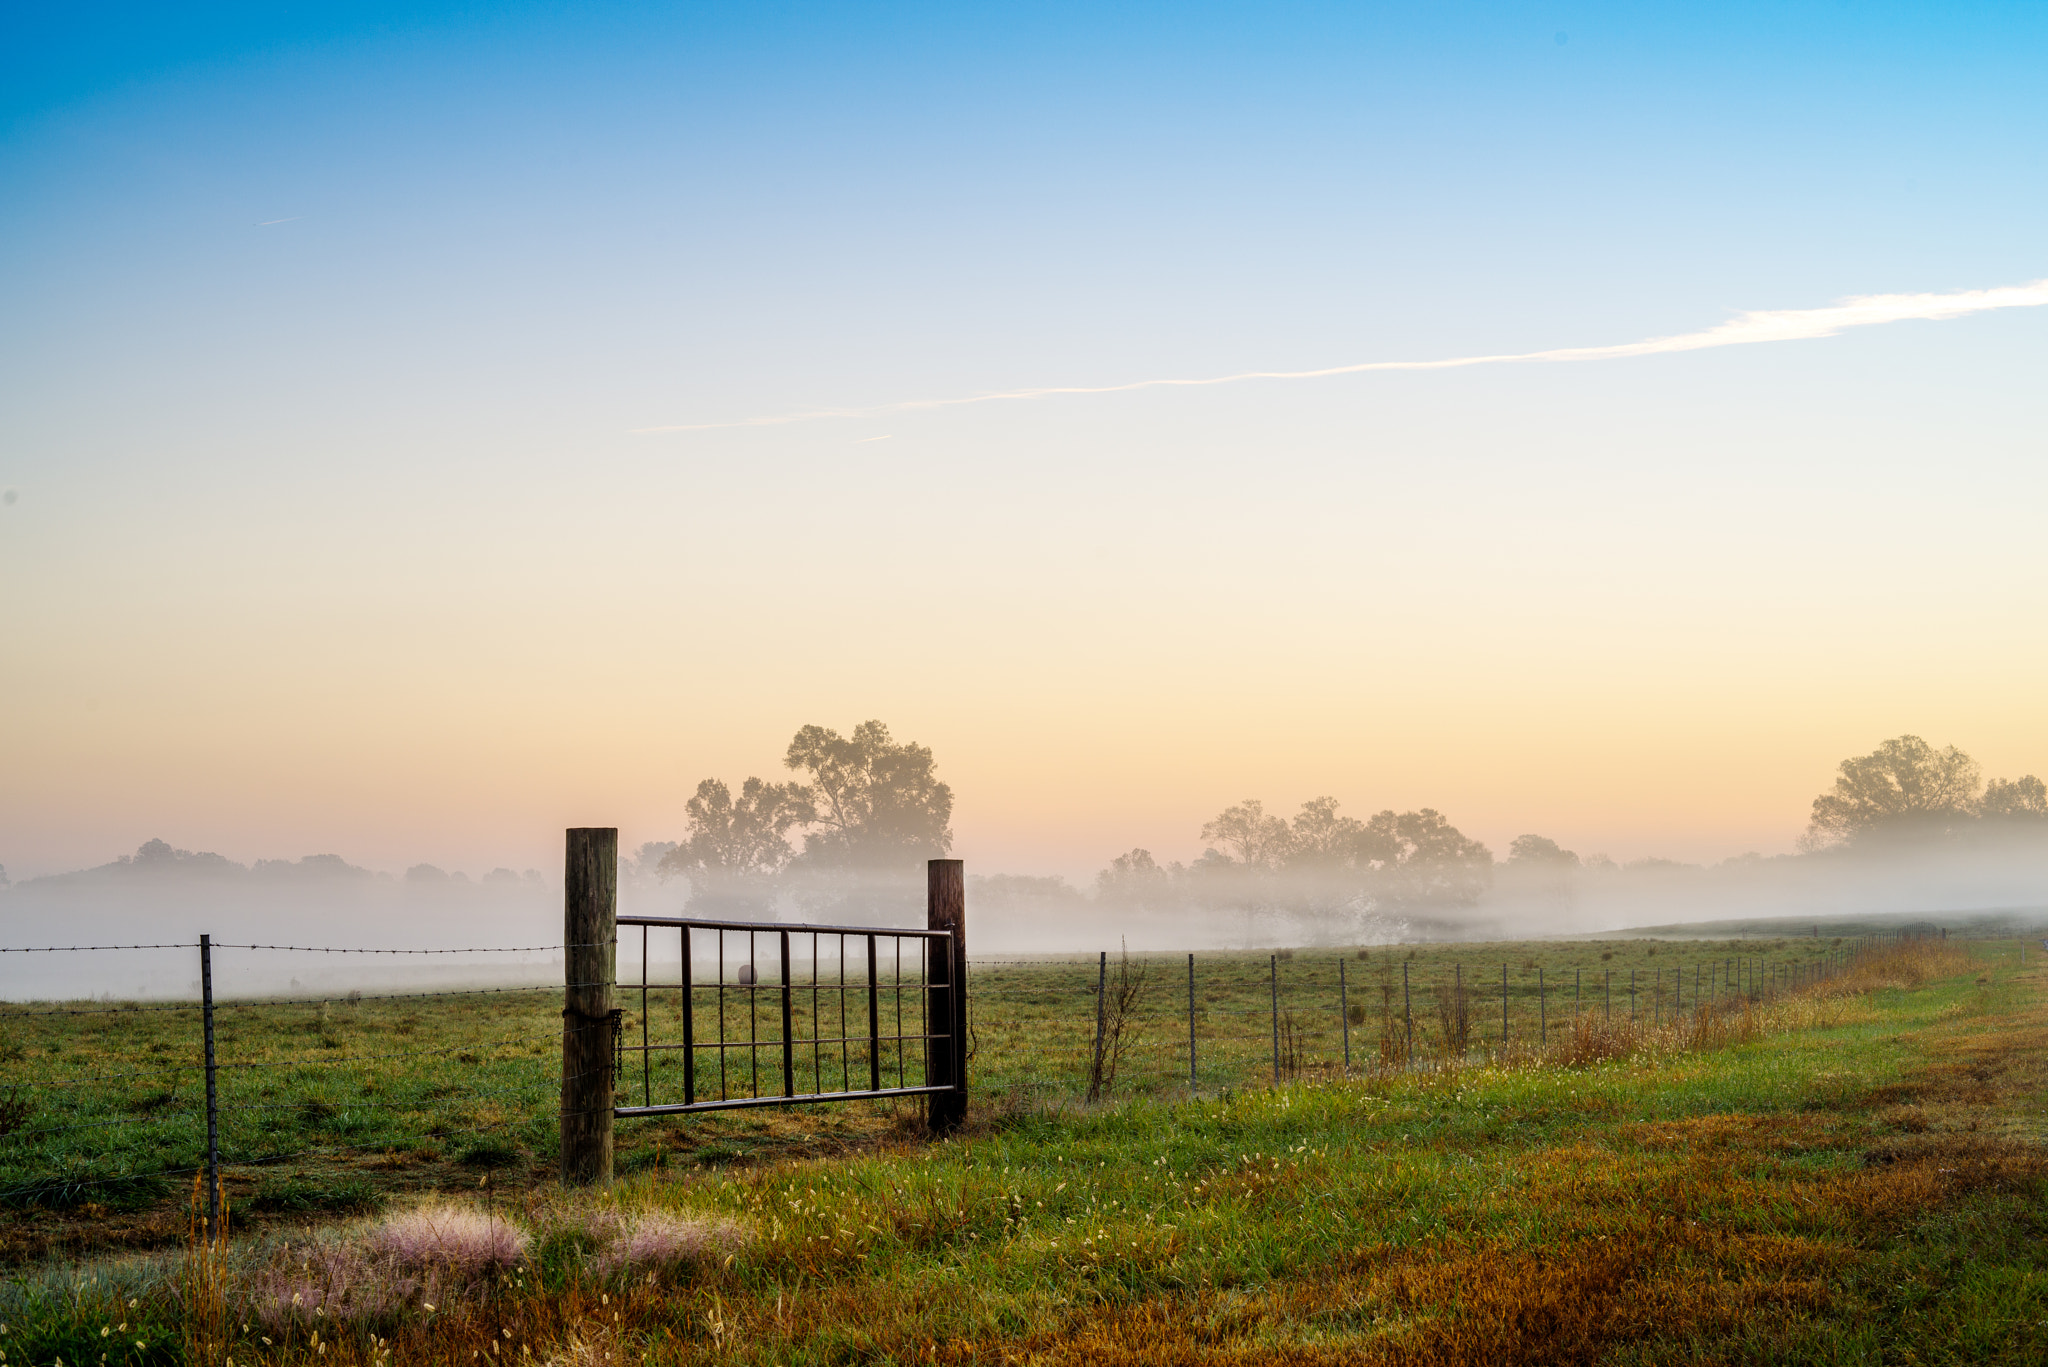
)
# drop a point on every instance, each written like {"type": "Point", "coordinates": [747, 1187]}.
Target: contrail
{"type": "Point", "coordinates": [1764, 325]}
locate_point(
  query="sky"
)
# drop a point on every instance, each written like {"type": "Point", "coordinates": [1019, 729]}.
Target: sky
{"type": "Point", "coordinates": [382, 400]}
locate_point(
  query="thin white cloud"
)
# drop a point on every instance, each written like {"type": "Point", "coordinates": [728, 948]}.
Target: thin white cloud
{"type": "Point", "coordinates": [273, 222]}
{"type": "Point", "coordinates": [1764, 325]}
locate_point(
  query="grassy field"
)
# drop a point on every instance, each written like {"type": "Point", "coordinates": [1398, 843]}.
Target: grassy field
{"type": "Point", "coordinates": [331, 1105]}
{"type": "Point", "coordinates": [1851, 1173]}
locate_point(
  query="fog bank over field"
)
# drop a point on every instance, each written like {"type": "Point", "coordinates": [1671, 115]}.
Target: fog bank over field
{"type": "Point", "coordinates": [163, 895]}
{"type": "Point", "coordinates": [1906, 831]}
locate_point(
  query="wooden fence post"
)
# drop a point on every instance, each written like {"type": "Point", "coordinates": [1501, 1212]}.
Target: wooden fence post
{"type": "Point", "coordinates": [946, 909]}
{"type": "Point", "coordinates": [590, 930]}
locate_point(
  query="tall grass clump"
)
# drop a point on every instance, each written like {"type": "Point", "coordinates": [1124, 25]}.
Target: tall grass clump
{"type": "Point", "coordinates": [203, 1279]}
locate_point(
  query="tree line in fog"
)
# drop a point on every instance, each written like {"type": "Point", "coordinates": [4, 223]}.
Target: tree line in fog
{"type": "Point", "coordinates": [849, 828]}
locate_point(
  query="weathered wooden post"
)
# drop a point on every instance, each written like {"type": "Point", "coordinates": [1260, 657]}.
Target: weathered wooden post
{"type": "Point", "coordinates": [946, 965]}
{"type": "Point", "coordinates": [590, 930]}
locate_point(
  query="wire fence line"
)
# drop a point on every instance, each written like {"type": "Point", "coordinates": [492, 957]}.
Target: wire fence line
{"type": "Point", "coordinates": [1154, 1025]}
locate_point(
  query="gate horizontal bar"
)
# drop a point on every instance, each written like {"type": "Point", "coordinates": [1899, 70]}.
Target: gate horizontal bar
{"type": "Point", "coordinates": [799, 1099]}
{"type": "Point", "coordinates": [773, 1042]}
{"type": "Point", "coordinates": [767, 927]}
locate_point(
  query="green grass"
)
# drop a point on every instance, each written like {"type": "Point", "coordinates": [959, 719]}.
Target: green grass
{"type": "Point", "coordinates": [1862, 1182]}
{"type": "Point", "coordinates": [414, 1092]}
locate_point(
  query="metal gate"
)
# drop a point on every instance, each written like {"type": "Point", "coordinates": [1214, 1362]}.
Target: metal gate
{"type": "Point", "coordinates": [841, 1013]}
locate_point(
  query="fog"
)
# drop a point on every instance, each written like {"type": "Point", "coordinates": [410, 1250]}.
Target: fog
{"type": "Point", "coordinates": [1991, 881]}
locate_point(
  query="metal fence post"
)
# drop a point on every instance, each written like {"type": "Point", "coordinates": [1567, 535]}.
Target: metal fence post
{"type": "Point", "coordinates": [1407, 1019]}
{"type": "Point", "coordinates": [1542, 1014]}
{"type": "Point", "coordinates": [1191, 1022]}
{"type": "Point", "coordinates": [213, 1230]}
{"type": "Point", "coordinates": [1101, 1006]}
{"type": "Point", "coordinates": [1273, 981]}
{"type": "Point", "coordinates": [1503, 1006]}
{"type": "Point", "coordinates": [1344, 1011]}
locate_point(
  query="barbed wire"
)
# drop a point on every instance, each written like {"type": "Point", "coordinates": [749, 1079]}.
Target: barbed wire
{"type": "Point", "coordinates": [81, 949]}
{"type": "Point", "coordinates": [352, 999]}
{"type": "Point", "coordinates": [468, 949]}
{"type": "Point", "coordinates": [303, 1061]}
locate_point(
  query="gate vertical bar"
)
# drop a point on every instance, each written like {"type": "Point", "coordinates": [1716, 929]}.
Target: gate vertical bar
{"type": "Point", "coordinates": [212, 1096]}
{"type": "Point", "coordinates": [1542, 1014]}
{"type": "Point", "coordinates": [874, 1022]}
{"type": "Point", "coordinates": [590, 910]}
{"type": "Point", "coordinates": [689, 1026]}
{"type": "Point", "coordinates": [788, 1044]}
{"type": "Point", "coordinates": [946, 909]}
{"type": "Point", "coordinates": [646, 1054]}
{"type": "Point", "coordinates": [1344, 1010]}
{"type": "Point", "coordinates": [1191, 1022]}
{"type": "Point", "coordinates": [1503, 1006]}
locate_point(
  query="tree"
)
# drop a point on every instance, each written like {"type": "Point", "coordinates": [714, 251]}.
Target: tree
{"type": "Point", "coordinates": [1538, 850]}
{"type": "Point", "coordinates": [1319, 838]}
{"type": "Point", "coordinates": [1135, 878]}
{"type": "Point", "coordinates": [878, 804]}
{"type": "Point", "coordinates": [1258, 841]}
{"type": "Point", "coordinates": [2021, 799]}
{"type": "Point", "coordinates": [1426, 861]}
{"type": "Point", "coordinates": [736, 846]}
{"type": "Point", "coordinates": [1904, 787]}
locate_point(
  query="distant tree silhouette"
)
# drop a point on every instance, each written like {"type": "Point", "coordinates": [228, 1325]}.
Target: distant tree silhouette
{"type": "Point", "coordinates": [876, 803]}
{"type": "Point", "coordinates": [1430, 862]}
{"type": "Point", "coordinates": [736, 846]}
{"type": "Point", "coordinates": [1319, 838]}
{"type": "Point", "coordinates": [2024, 799]}
{"type": "Point", "coordinates": [1539, 850]}
{"type": "Point", "coordinates": [1135, 878]}
{"type": "Point", "coordinates": [1903, 789]}
{"type": "Point", "coordinates": [1249, 836]}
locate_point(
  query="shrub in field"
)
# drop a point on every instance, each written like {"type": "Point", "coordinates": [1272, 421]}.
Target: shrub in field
{"type": "Point", "coordinates": [1454, 1016]}
{"type": "Point", "coordinates": [1594, 1040]}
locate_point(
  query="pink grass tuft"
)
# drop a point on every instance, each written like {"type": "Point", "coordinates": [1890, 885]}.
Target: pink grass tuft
{"type": "Point", "coordinates": [458, 1241]}
{"type": "Point", "coordinates": [658, 1239]}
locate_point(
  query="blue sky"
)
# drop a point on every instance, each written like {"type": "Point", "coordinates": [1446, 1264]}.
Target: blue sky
{"type": "Point", "coordinates": [328, 334]}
